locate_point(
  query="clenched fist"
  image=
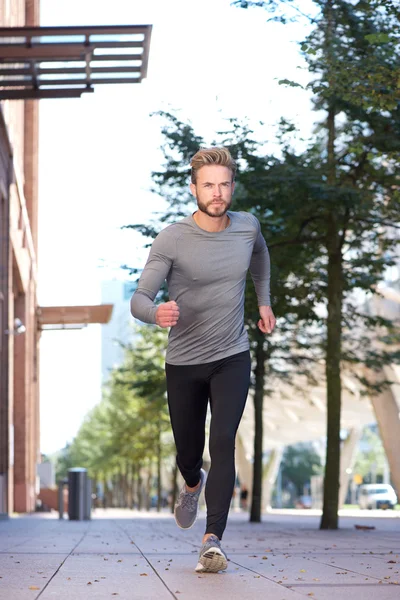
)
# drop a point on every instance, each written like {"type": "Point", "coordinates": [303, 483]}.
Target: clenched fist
{"type": "Point", "coordinates": [167, 314]}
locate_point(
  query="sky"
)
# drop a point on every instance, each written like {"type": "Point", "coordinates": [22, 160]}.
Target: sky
{"type": "Point", "coordinates": [210, 61]}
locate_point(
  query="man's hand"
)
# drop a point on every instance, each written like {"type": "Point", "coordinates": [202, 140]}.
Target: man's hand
{"type": "Point", "coordinates": [167, 314]}
{"type": "Point", "coordinates": [267, 322]}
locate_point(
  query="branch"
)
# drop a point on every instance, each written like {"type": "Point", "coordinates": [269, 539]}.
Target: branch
{"type": "Point", "coordinates": [297, 240]}
{"type": "Point", "coordinates": [376, 221]}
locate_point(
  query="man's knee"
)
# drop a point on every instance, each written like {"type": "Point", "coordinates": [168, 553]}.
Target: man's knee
{"type": "Point", "coordinates": [222, 443]}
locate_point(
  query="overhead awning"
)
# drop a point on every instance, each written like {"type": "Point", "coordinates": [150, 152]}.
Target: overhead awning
{"type": "Point", "coordinates": [65, 62]}
{"type": "Point", "coordinates": [73, 317]}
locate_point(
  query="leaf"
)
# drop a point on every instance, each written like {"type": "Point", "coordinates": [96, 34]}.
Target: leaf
{"type": "Point", "coordinates": [34, 587]}
{"type": "Point", "coordinates": [143, 574]}
{"type": "Point", "coordinates": [290, 83]}
{"type": "Point", "coordinates": [378, 38]}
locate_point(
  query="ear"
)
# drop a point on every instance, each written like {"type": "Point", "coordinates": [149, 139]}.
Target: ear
{"type": "Point", "coordinates": [233, 186]}
{"type": "Point", "coordinates": [193, 189]}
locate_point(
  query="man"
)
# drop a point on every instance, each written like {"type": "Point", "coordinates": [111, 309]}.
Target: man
{"type": "Point", "coordinates": [205, 258]}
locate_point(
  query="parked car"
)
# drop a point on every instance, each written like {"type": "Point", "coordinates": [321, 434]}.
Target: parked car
{"type": "Point", "coordinates": [377, 495]}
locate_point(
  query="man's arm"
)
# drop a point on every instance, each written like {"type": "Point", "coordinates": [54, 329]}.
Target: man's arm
{"type": "Point", "coordinates": [154, 274]}
{"type": "Point", "coordinates": [260, 269]}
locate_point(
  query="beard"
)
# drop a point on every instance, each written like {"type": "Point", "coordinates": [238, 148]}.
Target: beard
{"type": "Point", "coordinates": [214, 211]}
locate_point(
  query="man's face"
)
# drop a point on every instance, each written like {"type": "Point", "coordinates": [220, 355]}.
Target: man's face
{"type": "Point", "coordinates": [213, 190]}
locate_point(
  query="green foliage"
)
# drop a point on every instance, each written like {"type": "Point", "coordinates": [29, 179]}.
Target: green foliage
{"type": "Point", "coordinates": [299, 463]}
{"type": "Point", "coordinates": [125, 428]}
{"type": "Point", "coordinates": [370, 455]}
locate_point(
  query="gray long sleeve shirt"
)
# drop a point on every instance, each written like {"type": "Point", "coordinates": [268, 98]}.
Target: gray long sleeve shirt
{"type": "Point", "coordinates": [206, 276]}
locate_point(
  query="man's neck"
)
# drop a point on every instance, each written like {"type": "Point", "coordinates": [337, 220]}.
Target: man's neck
{"type": "Point", "coordinates": [211, 224]}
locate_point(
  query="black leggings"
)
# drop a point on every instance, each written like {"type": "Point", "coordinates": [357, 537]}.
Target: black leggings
{"type": "Point", "coordinates": [225, 383]}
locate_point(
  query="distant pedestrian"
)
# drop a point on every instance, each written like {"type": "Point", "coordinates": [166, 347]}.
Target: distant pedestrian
{"type": "Point", "coordinates": [205, 258]}
{"type": "Point", "coordinates": [244, 495]}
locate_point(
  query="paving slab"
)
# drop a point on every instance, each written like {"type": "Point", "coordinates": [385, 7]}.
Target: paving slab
{"type": "Point", "coordinates": [144, 556]}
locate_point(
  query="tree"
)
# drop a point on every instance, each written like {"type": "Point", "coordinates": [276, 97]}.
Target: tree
{"type": "Point", "coordinates": [299, 463]}
{"type": "Point", "coordinates": [123, 433]}
{"type": "Point", "coordinates": [352, 50]}
{"type": "Point", "coordinates": [142, 373]}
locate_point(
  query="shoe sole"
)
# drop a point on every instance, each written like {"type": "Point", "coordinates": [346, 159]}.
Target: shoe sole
{"type": "Point", "coordinates": [212, 561]}
{"type": "Point", "coordinates": [197, 513]}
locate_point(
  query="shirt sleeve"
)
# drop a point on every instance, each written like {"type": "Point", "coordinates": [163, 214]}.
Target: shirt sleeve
{"type": "Point", "coordinates": [154, 274]}
{"type": "Point", "coordinates": [260, 269]}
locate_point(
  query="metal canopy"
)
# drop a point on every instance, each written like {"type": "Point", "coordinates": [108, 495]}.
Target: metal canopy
{"type": "Point", "coordinates": [65, 62]}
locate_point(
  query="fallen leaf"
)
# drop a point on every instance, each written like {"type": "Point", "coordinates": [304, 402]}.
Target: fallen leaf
{"type": "Point", "coordinates": [302, 571]}
{"type": "Point", "coordinates": [364, 527]}
{"type": "Point", "coordinates": [143, 574]}
{"type": "Point", "coordinates": [34, 587]}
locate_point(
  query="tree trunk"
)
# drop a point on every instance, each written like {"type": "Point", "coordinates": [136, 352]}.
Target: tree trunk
{"type": "Point", "coordinates": [330, 508]}
{"type": "Point", "coordinates": [139, 489]}
{"type": "Point", "coordinates": [334, 391]}
{"type": "Point", "coordinates": [329, 518]}
{"type": "Point", "coordinates": [159, 461]}
{"type": "Point", "coordinates": [255, 513]}
{"type": "Point", "coordinates": [148, 488]}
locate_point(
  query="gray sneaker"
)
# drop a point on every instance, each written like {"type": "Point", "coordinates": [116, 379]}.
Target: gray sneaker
{"type": "Point", "coordinates": [211, 557]}
{"type": "Point", "coordinates": [187, 505]}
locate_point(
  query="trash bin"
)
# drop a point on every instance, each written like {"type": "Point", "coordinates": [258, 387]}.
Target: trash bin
{"type": "Point", "coordinates": [79, 494]}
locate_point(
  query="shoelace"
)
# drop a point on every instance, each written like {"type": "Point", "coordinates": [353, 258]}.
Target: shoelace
{"type": "Point", "coordinates": [188, 501]}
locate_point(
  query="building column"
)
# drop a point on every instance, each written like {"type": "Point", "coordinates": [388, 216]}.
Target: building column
{"type": "Point", "coordinates": [347, 458]}
{"type": "Point", "coordinates": [386, 408]}
{"type": "Point", "coordinates": [269, 476]}
{"type": "Point", "coordinates": [24, 409]}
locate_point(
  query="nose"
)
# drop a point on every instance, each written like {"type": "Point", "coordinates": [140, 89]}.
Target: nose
{"type": "Point", "coordinates": [217, 192]}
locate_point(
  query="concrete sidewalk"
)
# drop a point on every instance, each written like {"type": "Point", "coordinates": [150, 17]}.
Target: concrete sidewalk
{"type": "Point", "coordinates": [130, 555]}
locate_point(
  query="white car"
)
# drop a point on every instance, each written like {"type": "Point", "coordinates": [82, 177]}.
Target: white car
{"type": "Point", "coordinates": [377, 495]}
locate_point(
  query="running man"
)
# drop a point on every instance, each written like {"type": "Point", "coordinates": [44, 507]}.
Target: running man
{"type": "Point", "coordinates": [205, 258]}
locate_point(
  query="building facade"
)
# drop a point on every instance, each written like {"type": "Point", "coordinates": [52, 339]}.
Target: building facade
{"type": "Point", "coordinates": [19, 333]}
{"type": "Point", "coordinates": [32, 61]}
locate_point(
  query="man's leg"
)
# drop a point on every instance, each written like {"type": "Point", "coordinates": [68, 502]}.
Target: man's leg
{"type": "Point", "coordinates": [229, 386]}
{"type": "Point", "coordinates": [187, 401]}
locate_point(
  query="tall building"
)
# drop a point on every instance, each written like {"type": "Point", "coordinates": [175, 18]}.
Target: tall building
{"type": "Point", "coordinates": [119, 330]}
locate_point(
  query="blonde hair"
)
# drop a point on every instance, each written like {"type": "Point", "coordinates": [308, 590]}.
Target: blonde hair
{"type": "Point", "coordinates": [212, 156]}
